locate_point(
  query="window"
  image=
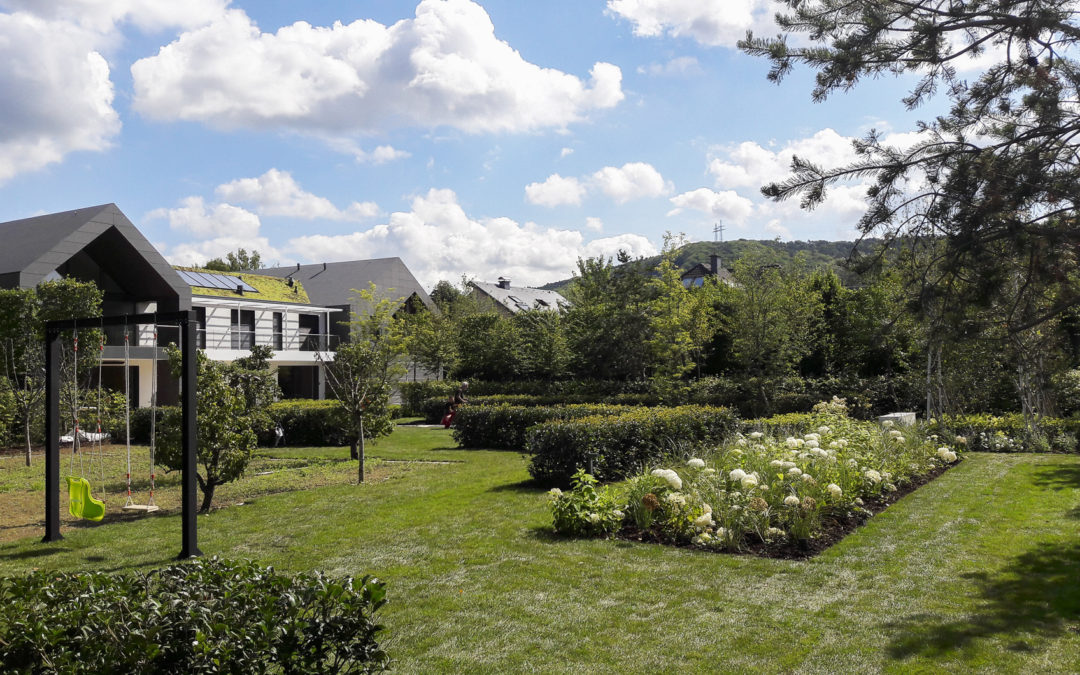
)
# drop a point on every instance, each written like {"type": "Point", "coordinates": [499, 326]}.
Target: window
{"type": "Point", "coordinates": [243, 328]}
{"type": "Point", "coordinates": [200, 328]}
{"type": "Point", "coordinates": [279, 331]}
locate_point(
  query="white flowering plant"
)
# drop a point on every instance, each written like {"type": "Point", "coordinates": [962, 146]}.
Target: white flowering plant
{"type": "Point", "coordinates": [586, 510]}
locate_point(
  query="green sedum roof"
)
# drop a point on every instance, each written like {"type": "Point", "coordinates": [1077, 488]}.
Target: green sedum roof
{"type": "Point", "coordinates": [274, 289]}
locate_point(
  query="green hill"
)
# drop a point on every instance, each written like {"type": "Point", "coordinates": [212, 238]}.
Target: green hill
{"type": "Point", "coordinates": [833, 254]}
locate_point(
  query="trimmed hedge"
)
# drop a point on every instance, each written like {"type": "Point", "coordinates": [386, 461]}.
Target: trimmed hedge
{"type": "Point", "coordinates": [1009, 433]}
{"type": "Point", "coordinates": [307, 423]}
{"type": "Point", "coordinates": [614, 447]}
{"type": "Point", "coordinates": [503, 426]}
{"type": "Point", "coordinates": [205, 616]}
{"type": "Point", "coordinates": [433, 409]}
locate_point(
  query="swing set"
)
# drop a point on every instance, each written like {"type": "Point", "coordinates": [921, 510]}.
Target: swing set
{"type": "Point", "coordinates": [81, 503]}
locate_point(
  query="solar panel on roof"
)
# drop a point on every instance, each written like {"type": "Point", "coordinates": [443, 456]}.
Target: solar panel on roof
{"type": "Point", "coordinates": [225, 282]}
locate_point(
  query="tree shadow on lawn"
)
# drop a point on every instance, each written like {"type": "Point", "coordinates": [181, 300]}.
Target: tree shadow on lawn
{"type": "Point", "coordinates": [529, 486]}
{"type": "Point", "coordinates": [34, 553]}
{"type": "Point", "coordinates": [1036, 596]}
{"type": "Point", "coordinates": [1058, 477]}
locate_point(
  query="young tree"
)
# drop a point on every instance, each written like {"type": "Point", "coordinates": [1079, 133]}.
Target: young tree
{"type": "Point", "coordinates": [999, 168]}
{"type": "Point", "coordinates": [240, 261]}
{"type": "Point", "coordinates": [231, 410]}
{"type": "Point", "coordinates": [23, 313]}
{"type": "Point", "coordinates": [364, 370]}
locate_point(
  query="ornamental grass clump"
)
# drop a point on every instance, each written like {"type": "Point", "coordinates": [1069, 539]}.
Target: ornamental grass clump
{"type": "Point", "coordinates": [764, 489]}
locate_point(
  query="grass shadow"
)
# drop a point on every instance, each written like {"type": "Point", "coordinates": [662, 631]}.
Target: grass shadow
{"type": "Point", "coordinates": [530, 486]}
{"type": "Point", "coordinates": [1058, 477]}
{"type": "Point", "coordinates": [1034, 597]}
{"type": "Point", "coordinates": [34, 553]}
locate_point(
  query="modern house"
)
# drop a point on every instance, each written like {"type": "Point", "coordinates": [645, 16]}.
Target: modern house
{"type": "Point", "coordinates": [508, 300]}
{"type": "Point", "coordinates": [296, 311]}
{"type": "Point", "coordinates": [696, 275]}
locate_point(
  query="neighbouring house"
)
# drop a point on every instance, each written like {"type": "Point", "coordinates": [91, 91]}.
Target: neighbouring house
{"type": "Point", "coordinates": [696, 275]}
{"type": "Point", "coordinates": [509, 300]}
{"type": "Point", "coordinates": [336, 284]}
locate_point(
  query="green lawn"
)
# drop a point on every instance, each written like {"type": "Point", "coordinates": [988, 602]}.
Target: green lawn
{"type": "Point", "coordinates": [977, 571]}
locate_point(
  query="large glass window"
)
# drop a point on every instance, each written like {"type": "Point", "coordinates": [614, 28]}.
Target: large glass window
{"type": "Point", "coordinates": [243, 328]}
{"type": "Point", "coordinates": [279, 331]}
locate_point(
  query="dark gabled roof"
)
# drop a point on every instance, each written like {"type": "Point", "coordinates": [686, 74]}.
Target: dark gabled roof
{"type": "Point", "coordinates": [521, 298]}
{"type": "Point", "coordinates": [700, 270]}
{"type": "Point", "coordinates": [331, 284]}
{"type": "Point", "coordinates": [33, 248]}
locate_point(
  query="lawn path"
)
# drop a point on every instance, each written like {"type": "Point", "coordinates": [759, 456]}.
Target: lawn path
{"type": "Point", "coordinates": [976, 571]}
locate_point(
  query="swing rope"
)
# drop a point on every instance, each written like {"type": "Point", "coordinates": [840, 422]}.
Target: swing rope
{"type": "Point", "coordinates": [97, 443]}
{"type": "Point", "coordinates": [127, 410]}
{"type": "Point", "coordinates": [130, 504]}
{"type": "Point", "coordinates": [75, 415]}
{"type": "Point", "coordinates": [153, 417]}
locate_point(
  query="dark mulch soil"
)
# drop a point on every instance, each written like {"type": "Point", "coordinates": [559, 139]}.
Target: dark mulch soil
{"type": "Point", "coordinates": [832, 529]}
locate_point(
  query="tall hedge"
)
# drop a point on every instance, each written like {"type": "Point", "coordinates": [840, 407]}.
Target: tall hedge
{"type": "Point", "coordinates": [503, 426]}
{"type": "Point", "coordinates": [308, 423]}
{"type": "Point", "coordinates": [614, 447]}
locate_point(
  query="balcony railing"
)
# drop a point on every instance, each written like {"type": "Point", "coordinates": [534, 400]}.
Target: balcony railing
{"type": "Point", "coordinates": [245, 340]}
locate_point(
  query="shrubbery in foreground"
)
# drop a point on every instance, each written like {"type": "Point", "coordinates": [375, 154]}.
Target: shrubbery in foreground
{"type": "Point", "coordinates": [203, 616]}
{"type": "Point", "coordinates": [759, 489]}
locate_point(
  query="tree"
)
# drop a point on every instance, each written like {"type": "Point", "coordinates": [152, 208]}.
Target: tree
{"type": "Point", "coordinates": [607, 325]}
{"type": "Point", "coordinates": [999, 170]}
{"type": "Point", "coordinates": [23, 313]}
{"type": "Point", "coordinates": [231, 410]}
{"type": "Point", "coordinates": [363, 372]}
{"type": "Point", "coordinates": [542, 349]}
{"type": "Point", "coordinates": [776, 314]}
{"type": "Point", "coordinates": [490, 347]}
{"type": "Point", "coordinates": [239, 261]}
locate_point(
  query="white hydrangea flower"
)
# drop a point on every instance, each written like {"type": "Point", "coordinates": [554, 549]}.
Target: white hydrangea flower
{"type": "Point", "coordinates": [807, 478]}
{"type": "Point", "coordinates": [709, 472]}
{"type": "Point", "coordinates": [823, 429]}
{"type": "Point", "coordinates": [792, 442]}
{"type": "Point", "coordinates": [737, 474]}
{"type": "Point", "coordinates": [804, 455]}
{"type": "Point", "coordinates": [787, 465]}
{"type": "Point", "coordinates": [946, 454]}
{"type": "Point", "coordinates": [794, 471]}
{"type": "Point", "coordinates": [704, 520]}
{"type": "Point", "coordinates": [594, 517]}
{"type": "Point", "coordinates": [696, 463]}
{"type": "Point", "coordinates": [670, 477]}
{"type": "Point", "coordinates": [889, 487]}
{"type": "Point", "coordinates": [812, 437]}
{"type": "Point", "coordinates": [618, 514]}
{"type": "Point", "coordinates": [896, 433]}
{"type": "Point", "coordinates": [800, 442]}
{"type": "Point", "coordinates": [853, 462]}
{"type": "Point", "coordinates": [887, 423]}
{"type": "Point", "coordinates": [859, 501]}
{"type": "Point", "coordinates": [874, 476]}
{"type": "Point", "coordinates": [737, 452]}
{"type": "Point", "coordinates": [774, 532]}
{"type": "Point", "coordinates": [960, 440]}
{"type": "Point", "coordinates": [777, 463]}
{"type": "Point", "coordinates": [677, 499]}
{"type": "Point", "coordinates": [812, 443]}
{"type": "Point", "coordinates": [835, 445]}
{"type": "Point", "coordinates": [834, 490]}
{"type": "Point", "coordinates": [756, 435]}
{"type": "Point", "coordinates": [706, 508]}
{"type": "Point", "coordinates": [791, 500]}
{"type": "Point", "coordinates": [741, 441]}
{"type": "Point", "coordinates": [843, 442]}
{"type": "Point", "coordinates": [721, 532]}
{"type": "Point", "coordinates": [749, 481]}
{"type": "Point", "coordinates": [555, 493]}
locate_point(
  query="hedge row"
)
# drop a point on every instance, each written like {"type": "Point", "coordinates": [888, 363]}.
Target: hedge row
{"type": "Point", "coordinates": [503, 426]}
{"type": "Point", "coordinates": [614, 447]}
{"type": "Point", "coordinates": [205, 616]}
{"type": "Point", "coordinates": [433, 409]}
{"type": "Point", "coordinates": [1009, 433]}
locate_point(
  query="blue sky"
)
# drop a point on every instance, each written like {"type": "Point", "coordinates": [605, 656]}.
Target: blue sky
{"type": "Point", "coordinates": [490, 138]}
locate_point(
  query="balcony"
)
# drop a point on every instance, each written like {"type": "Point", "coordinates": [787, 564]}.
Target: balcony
{"type": "Point", "coordinates": [244, 340]}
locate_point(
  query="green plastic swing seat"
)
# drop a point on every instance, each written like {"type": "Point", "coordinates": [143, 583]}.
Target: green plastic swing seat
{"type": "Point", "coordinates": [80, 503]}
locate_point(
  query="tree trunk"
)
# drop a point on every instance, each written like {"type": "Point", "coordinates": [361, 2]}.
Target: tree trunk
{"type": "Point", "coordinates": [208, 497]}
{"type": "Point", "coordinates": [361, 452]}
{"type": "Point", "coordinates": [29, 450]}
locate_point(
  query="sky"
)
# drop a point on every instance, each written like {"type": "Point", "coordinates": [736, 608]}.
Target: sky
{"type": "Point", "coordinates": [477, 139]}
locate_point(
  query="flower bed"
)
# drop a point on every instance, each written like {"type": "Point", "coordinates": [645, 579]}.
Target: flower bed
{"type": "Point", "coordinates": [769, 494]}
{"type": "Point", "coordinates": [1009, 433]}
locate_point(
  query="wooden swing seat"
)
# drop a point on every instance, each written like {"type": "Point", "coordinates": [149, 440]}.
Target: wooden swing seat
{"type": "Point", "coordinates": [142, 508]}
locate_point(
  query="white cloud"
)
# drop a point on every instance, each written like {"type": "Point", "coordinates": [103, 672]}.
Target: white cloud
{"type": "Point", "coordinates": [56, 76]}
{"type": "Point", "coordinates": [565, 152]}
{"type": "Point", "coordinates": [634, 180]}
{"type": "Point", "coordinates": [220, 220]}
{"type": "Point", "coordinates": [438, 240]}
{"type": "Point", "coordinates": [444, 67]}
{"type": "Point", "coordinates": [727, 205]}
{"type": "Point", "coordinates": [774, 228]}
{"type": "Point", "coordinates": [59, 96]}
{"type": "Point", "coordinates": [750, 165]}
{"type": "Point", "coordinates": [276, 193]}
{"type": "Point", "coordinates": [103, 15]}
{"type": "Point", "coordinates": [710, 22]}
{"type": "Point", "coordinates": [380, 155]}
{"type": "Point", "coordinates": [682, 66]}
{"type": "Point", "coordinates": [555, 191]}
{"type": "Point", "coordinates": [198, 252]}
{"type": "Point", "coordinates": [594, 224]}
